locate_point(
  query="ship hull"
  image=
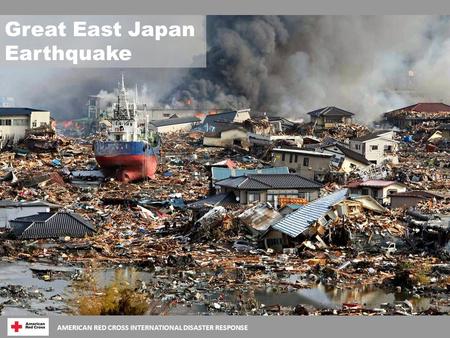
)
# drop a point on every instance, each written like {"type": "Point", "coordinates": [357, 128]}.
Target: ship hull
{"type": "Point", "coordinates": [127, 161]}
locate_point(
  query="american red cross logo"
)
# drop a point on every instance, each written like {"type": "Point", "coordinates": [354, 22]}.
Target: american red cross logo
{"type": "Point", "coordinates": [16, 326]}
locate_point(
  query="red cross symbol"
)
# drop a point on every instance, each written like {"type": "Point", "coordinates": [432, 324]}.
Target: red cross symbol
{"type": "Point", "coordinates": [16, 326]}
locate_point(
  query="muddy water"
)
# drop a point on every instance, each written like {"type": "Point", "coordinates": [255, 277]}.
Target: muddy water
{"type": "Point", "coordinates": [19, 273]}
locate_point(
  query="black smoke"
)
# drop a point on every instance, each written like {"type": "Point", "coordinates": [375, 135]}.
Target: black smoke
{"type": "Point", "coordinates": [284, 65]}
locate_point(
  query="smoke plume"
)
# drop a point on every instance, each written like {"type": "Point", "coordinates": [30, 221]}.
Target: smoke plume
{"type": "Point", "coordinates": [284, 65]}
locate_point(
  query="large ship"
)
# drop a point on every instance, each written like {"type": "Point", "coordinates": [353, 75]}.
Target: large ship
{"type": "Point", "coordinates": [131, 151]}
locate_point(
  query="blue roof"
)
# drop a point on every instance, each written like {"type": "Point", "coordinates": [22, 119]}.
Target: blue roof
{"type": "Point", "coordinates": [14, 111]}
{"type": "Point", "coordinates": [298, 221]}
{"type": "Point", "coordinates": [224, 173]}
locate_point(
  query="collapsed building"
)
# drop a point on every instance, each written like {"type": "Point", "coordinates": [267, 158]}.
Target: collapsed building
{"type": "Point", "coordinates": [418, 113]}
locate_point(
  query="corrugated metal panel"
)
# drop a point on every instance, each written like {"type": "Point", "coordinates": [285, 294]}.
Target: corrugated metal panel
{"type": "Point", "coordinates": [300, 220]}
{"type": "Point", "coordinates": [223, 173]}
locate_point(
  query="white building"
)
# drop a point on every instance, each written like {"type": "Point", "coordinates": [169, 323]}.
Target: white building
{"type": "Point", "coordinates": [10, 210]}
{"type": "Point", "coordinates": [377, 147]}
{"type": "Point", "coordinates": [172, 125]}
{"type": "Point", "coordinates": [15, 121]}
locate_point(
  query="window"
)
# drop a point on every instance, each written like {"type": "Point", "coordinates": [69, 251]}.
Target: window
{"type": "Point", "coordinates": [357, 146]}
{"type": "Point", "coordinates": [253, 196]}
{"type": "Point", "coordinates": [306, 162]}
{"type": "Point", "coordinates": [34, 124]}
{"type": "Point", "coordinates": [5, 122]}
{"type": "Point", "coordinates": [365, 191]}
{"type": "Point", "coordinates": [373, 147]}
{"type": "Point", "coordinates": [20, 122]}
{"type": "Point", "coordinates": [167, 115]}
{"type": "Point", "coordinates": [296, 158]}
{"type": "Point", "coordinates": [283, 157]}
{"type": "Point", "coordinates": [305, 195]}
{"type": "Point", "coordinates": [291, 158]}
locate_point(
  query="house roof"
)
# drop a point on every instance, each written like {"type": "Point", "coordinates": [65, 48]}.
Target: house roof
{"type": "Point", "coordinates": [372, 184]}
{"type": "Point", "coordinates": [18, 111]}
{"type": "Point", "coordinates": [220, 117]}
{"type": "Point", "coordinates": [425, 107]}
{"type": "Point", "coordinates": [269, 181]}
{"type": "Point", "coordinates": [371, 136]}
{"type": "Point", "coordinates": [301, 151]}
{"type": "Point", "coordinates": [224, 173]}
{"type": "Point", "coordinates": [222, 199]}
{"type": "Point", "coordinates": [174, 121]}
{"type": "Point", "coordinates": [51, 225]}
{"type": "Point", "coordinates": [351, 154]}
{"type": "Point", "coordinates": [330, 111]}
{"type": "Point", "coordinates": [284, 121]}
{"type": "Point", "coordinates": [298, 221]}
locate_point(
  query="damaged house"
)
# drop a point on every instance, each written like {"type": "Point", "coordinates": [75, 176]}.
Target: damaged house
{"type": "Point", "coordinates": [409, 199]}
{"type": "Point", "coordinates": [330, 117]}
{"type": "Point", "coordinates": [345, 159]}
{"type": "Point", "coordinates": [213, 122]}
{"type": "Point", "coordinates": [47, 225]}
{"type": "Point", "coordinates": [277, 189]}
{"type": "Point", "coordinates": [310, 164]}
{"type": "Point", "coordinates": [303, 223]}
{"type": "Point", "coordinates": [379, 189]}
{"type": "Point", "coordinates": [227, 136]}
{"type": "Point", "coordinates": [377, 147]}
{"type": "Point", "coordinates": [418, 113]}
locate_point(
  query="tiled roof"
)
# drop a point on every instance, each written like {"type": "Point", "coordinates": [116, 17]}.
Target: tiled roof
{"type": "Point", "coordinates": [300, 220]}
{"type": "Point", "coordinates": [269, 181]}
{"type": "Point", "coordinates": [330, 111]}
{"type": "Point", "coordinates": [224, 173]}
{"type": "Point", "coordinates": [426, 107]}
{"type": "Point", "coordinates": [51, 225]}
{"type": "Point", "coordinates": [221, 117]}
{"type": "Point", "coordinates": [353, 154]}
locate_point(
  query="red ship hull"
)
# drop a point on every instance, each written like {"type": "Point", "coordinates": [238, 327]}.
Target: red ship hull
{"type": "Point", "coordinates": [128, 168]}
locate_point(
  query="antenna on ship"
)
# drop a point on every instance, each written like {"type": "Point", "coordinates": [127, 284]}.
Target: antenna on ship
{"type": "Point", "coordinates": [136, 95]}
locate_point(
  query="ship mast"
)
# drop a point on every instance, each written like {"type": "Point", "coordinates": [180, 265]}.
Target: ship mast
{"type": "Point", "coordinates": [122, 111]}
